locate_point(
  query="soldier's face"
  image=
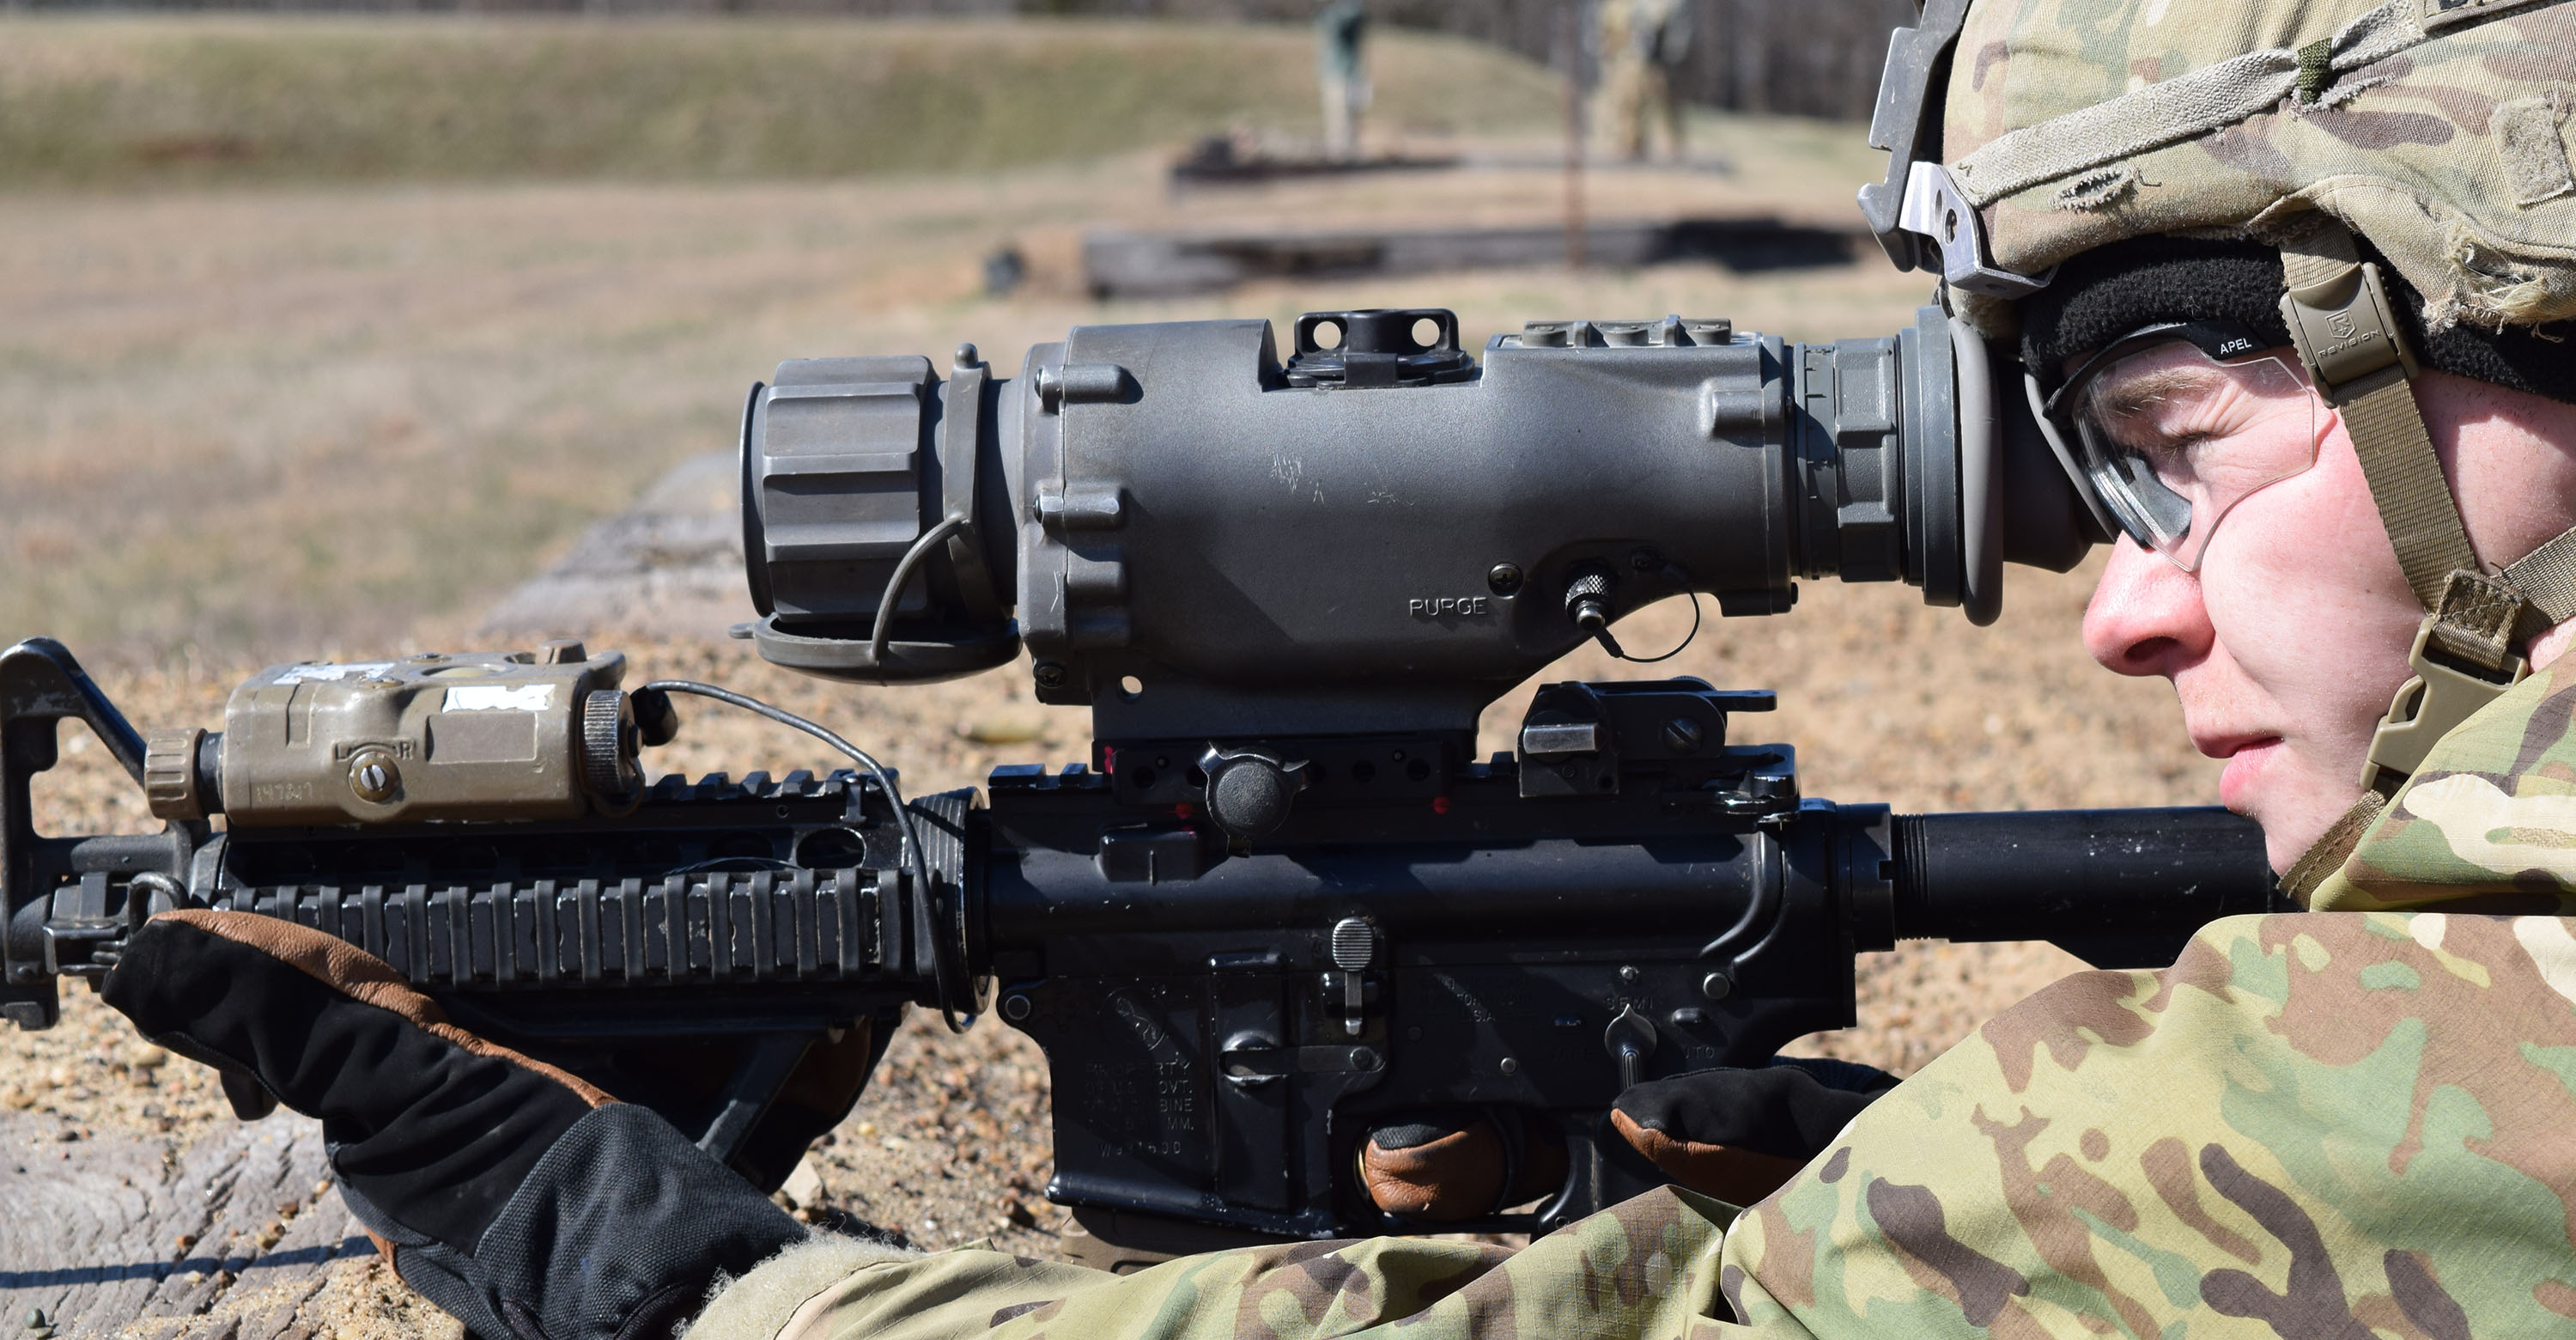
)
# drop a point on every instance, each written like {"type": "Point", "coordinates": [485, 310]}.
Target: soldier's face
{"type": "Point", "coordinates": [2287, 644]}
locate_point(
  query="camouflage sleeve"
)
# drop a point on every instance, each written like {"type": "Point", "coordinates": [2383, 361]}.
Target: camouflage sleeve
{"type": "Point", "coordinates": [1644, 1268]}
{"type": "Point", "coordinates": [2339, 1124]}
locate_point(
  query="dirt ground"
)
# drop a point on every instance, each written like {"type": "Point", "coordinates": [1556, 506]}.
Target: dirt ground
{"type": "Point", "coordinates": [288, 423]}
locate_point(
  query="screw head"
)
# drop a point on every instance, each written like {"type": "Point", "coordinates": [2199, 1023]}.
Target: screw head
{"type": "Point", "coordinates": [373, 776]}
{"type": "Point", "coordinates": [1644, 559]}
{"type": "Point", "coordinates": [1049, 675]}
{"type": "Point", "coordinates": [1683, 735]}
{"type": "Point", "coordinates": [1504, 578]}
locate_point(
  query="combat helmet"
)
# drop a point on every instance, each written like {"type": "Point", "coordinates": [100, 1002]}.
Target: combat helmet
{"type": "Point", "coordinates": [2384, 187]}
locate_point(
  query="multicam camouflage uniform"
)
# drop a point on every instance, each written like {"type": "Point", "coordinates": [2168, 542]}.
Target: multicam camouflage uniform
{"type": "Point", "coordinates": [2357, 1121]}
{"type": "Point", "coordinates": [1641, 41]}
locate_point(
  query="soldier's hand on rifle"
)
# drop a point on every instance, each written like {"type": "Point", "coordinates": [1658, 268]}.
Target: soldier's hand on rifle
{"type": "Point", "coordinates": [1739, 1134]}
{"type": "Point", "coordinates": [1736, 1134]}
{"type": "Point", "coordinates": [520, 1199]}
{"type": "Point", "coordinates": [1453, 1164]}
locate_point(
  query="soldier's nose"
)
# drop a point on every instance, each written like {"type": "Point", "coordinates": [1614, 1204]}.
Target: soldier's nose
{"type": "Point", "coordinates": [2146, 616]}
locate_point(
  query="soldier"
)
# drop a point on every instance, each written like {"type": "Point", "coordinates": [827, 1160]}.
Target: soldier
{"type": "Point", "coordinates": [1341, 71]}
{"type": "Point", "coordinates": [2293, 283]}
{"type": "Point", "coordinates": [1640, 42]}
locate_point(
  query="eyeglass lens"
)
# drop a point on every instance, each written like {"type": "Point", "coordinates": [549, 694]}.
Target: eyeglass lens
{"type": "Point", "coordinates": [2173, 439]}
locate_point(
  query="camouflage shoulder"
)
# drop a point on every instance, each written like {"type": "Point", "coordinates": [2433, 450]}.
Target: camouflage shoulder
{"type": "Point", "coordinates": [2341, 1124]}
{"type": "Point", "coordinates": [2491, 816]}
{"type": "Point", "coordinates": [1644, 1268]}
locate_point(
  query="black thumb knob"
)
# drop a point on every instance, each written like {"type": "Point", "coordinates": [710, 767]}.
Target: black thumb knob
{"type": "Point", "coordinates": [1248, 794]}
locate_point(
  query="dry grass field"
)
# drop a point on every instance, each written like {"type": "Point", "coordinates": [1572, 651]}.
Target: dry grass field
{"type": "Point", "coordinates": [125, 100]}
{"type": "Point", "coordinates": [252, 412]}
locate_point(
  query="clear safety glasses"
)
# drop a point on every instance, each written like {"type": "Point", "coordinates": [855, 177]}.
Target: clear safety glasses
{"type": "Point", "coordinates": [2176, 424]}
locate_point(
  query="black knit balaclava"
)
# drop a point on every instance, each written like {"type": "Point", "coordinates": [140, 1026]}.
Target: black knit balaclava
{"type": "Point", "coordinates": [2108, 292]}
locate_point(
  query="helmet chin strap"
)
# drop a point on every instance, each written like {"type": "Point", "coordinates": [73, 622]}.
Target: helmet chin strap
{"type": "Point", "coordinates": [2465, 652]}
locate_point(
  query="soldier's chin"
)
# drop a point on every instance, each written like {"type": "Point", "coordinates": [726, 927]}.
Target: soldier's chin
{"type": "Point", "coordinates": [2267, 786]}
{"type": "Point", "coordinates": [2243, 783]}
{"type": "Point", "coordinates": [2250, 784]}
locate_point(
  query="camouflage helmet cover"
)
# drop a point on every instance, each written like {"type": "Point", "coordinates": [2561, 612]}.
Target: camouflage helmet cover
{"type": "Point", "coordinates": [2438, 130]}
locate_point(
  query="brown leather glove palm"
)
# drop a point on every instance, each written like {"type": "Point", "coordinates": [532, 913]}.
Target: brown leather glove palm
{"type": "Point", "coordinates": [1736, 1134]}
{"type": "Point", "coordinates": [523, 1201]}
{"type": "Point", "coordinates": [1460, 1163]}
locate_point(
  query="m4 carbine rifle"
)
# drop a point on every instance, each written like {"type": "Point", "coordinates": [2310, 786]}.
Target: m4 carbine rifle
{"type": "Point", "coordinates": [1285, 901]}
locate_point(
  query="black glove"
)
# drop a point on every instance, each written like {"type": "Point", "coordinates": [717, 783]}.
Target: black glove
{"type": "Point", "coordinates": [687, 1082]}
{"type": "Point", "coordinates": [1739, 1134]}
{"type": "Point", "coordinates": [520, 1199]}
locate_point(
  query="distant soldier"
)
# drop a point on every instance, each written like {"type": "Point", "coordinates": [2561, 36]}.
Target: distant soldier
{"type": "Point", "coordinates": [1341, 42]}
{"type": "Point", "coordinates": [1640, 43]}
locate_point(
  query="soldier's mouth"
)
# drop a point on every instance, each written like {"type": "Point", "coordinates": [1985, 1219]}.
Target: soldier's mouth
{"type": "Point", "coordinates": [2247, 759]}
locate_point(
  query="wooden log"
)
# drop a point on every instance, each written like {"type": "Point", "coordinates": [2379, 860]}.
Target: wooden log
{"type": "Point", "coordinates": [93, 1228]}
{"type": "Point", "coordinates": [1118, 263]}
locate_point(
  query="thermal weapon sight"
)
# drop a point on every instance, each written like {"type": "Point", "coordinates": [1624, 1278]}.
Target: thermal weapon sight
{"type": "Point", "coordinates": [1191, 536]}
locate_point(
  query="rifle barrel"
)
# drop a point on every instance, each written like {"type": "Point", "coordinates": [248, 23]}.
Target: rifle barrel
{"type": "Point", "coordinates": [2078, 876]}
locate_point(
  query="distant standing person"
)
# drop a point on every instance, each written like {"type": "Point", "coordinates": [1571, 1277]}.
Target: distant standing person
{"type": "Point", "coordinates": [1641, 42]}
{"type": "Point", "coordinates": [1341, 41]}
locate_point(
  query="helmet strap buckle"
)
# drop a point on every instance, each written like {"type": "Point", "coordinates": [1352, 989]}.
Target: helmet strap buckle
{"type": "Point", "coordinates": [2441, 694]}
{"type": "Point", "coordinates": [2345, 332]}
